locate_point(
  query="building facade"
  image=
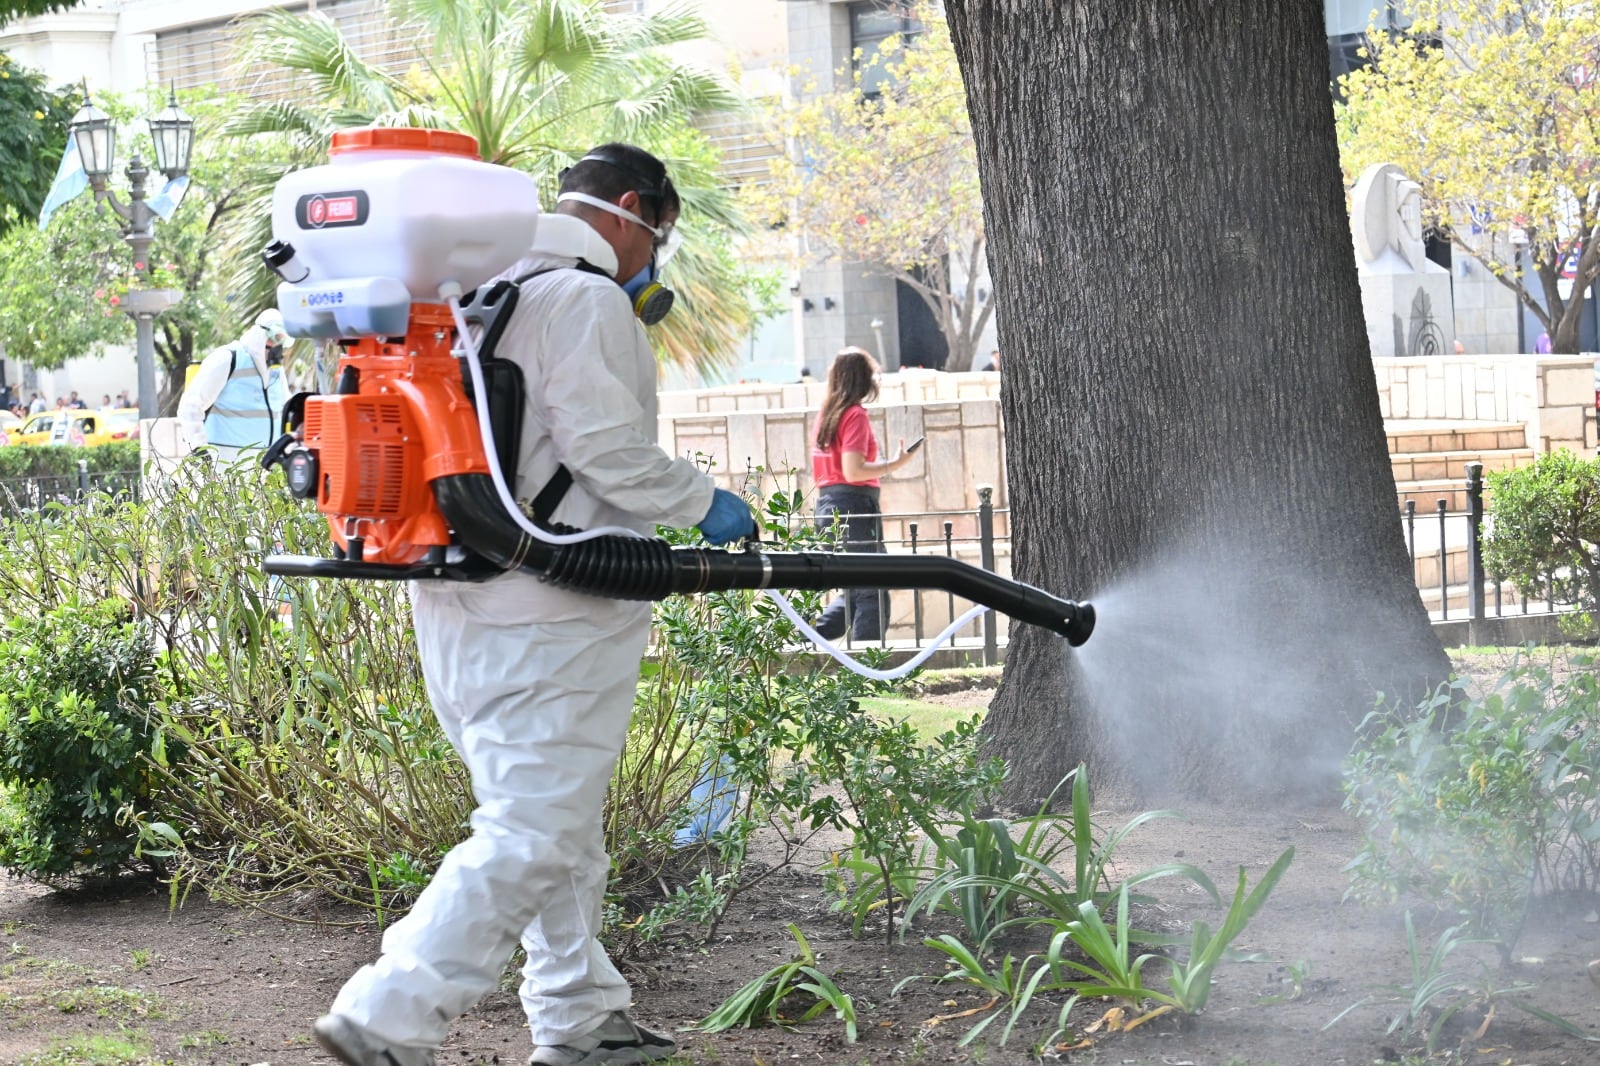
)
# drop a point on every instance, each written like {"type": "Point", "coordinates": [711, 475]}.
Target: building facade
{"type": "Point", "coordinates": [127, 45]}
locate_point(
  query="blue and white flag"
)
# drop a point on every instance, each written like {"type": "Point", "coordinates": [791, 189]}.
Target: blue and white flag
{"type": "Point", "coordinates": [165, 202]}
{"type": "Point", "coordinates": [70, 181]}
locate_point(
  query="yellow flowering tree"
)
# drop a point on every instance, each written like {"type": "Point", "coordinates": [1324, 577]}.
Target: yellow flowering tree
{"type": "Point", "coordinates": [892, 181]}
{"type": "Point", "coordinates": [1494, 107]}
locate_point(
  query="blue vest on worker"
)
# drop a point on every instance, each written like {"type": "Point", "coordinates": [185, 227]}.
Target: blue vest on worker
{"type": "Point", "coordinates": [246, 415]}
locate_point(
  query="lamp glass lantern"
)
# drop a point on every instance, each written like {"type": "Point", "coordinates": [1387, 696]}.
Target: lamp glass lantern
{"type": "Point", "coordinates": [96, 138]}
{"type": "Point", "coordinates": [172, 132]}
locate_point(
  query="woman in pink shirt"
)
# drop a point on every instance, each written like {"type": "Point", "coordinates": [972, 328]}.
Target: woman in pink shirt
{"type": "Point", "coordinates": [846, 468]}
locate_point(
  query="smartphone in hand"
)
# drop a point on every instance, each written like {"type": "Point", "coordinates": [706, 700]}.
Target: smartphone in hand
{"type": "Point", "coordinates": [914, 445]}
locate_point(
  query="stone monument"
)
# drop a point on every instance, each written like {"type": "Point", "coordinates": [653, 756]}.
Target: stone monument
{"type": "Point", "coordinates": [1405, 296]}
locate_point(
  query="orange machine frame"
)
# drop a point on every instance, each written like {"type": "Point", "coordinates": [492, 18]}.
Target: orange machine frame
{"type": "Point", "coordinates": [380, 447]}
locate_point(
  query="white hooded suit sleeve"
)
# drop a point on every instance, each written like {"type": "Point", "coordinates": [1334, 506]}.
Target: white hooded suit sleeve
{"type": "Point", "coordinates": [201, 392]}
{"type": "Point", "coordinates": [592, 385]}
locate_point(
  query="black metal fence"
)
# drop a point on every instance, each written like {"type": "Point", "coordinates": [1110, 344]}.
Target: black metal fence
{"type": "Point", "coordinates": [21, 494]}
{"type": "Point", "coordinates": [1446, 548]}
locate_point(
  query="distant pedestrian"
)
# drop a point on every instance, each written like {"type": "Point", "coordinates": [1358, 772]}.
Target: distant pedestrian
{"type": "Point", "coordinates": [993, 365]}
{"type": "Point", "coordinates": [37, 406]}
{"type": "Point", "coordinates": [76, 402]}
{"type": "Point", "coordinates": [124, 400]}
{"type": "Point", "coordinates": [105, 401]}
{"type": "Point", "coordinates": [1542, 345]}
{"type": "Point", "coordinates": [235, 400]}
{"type": "Point", "coordinates": [846, 468]}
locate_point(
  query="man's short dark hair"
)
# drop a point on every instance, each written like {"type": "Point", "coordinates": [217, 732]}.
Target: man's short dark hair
{"type": "Point", "coordinates": [610, 170]}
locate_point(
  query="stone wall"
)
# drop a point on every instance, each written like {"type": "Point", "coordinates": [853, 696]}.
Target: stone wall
{"type": "Point", "coordinates": [1554, 396]}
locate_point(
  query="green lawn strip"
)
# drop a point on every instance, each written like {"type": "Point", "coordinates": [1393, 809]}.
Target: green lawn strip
{"type": "Point", "coordinates": [928, 719]}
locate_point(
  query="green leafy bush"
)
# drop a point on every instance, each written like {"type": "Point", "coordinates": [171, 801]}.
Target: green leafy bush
{"type": "Point", "coordinates": [312, 762]}
{"type": "Point", "coordinates": [1544, 532]}
{"type": "Point", "coordinates": [26, 462]}
{"type": "Point", "coordinates": [1479, 804]}
{"type": "Point", "coordinates": [76, 728]}
{"type": "Point", "coordinates": [796, 747]}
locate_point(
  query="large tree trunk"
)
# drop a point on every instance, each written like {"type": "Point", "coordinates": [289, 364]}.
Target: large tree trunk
{"type": "Point", "coordinates": [1190, 405]}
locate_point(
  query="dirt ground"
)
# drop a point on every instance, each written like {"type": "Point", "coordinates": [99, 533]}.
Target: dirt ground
{"type": "Point", "coordinates": [123, 980]}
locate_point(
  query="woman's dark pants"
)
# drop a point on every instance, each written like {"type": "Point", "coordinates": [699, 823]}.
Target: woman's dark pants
{"type": "Point", "coordinates": [868, 609]}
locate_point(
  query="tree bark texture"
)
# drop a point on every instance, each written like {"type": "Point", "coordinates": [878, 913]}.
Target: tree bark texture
{"type": "Point", "coordinates": [1190, 406]}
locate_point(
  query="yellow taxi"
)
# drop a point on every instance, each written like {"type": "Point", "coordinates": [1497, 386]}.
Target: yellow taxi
{"type": "Point", "coordinates": [35, 429]}
{"type": "Point", "coordinates": [104, 426]}
{"type": "Point", "coordinates": [80, 427]}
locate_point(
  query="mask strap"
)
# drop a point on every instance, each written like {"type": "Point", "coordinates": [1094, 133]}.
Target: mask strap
{"type": "Point", "coordinates": [609, 208]}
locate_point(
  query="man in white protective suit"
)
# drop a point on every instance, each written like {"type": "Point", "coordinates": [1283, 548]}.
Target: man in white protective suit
{"type": "Point", "coordinates": [235, 399]}
{"type": "Point", "coordinates": [533, 684]}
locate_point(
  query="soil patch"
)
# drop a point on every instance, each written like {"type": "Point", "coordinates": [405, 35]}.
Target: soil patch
{"type": "Point", "coordinates": [206, 984]}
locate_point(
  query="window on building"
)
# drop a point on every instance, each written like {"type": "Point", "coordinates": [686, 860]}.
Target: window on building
{"type": "Point", "coordinates": [872, 23]}
{"type": "Point", "coordinates": [205, 54]}
{"type": "Point", "coordinates": [747, 147]}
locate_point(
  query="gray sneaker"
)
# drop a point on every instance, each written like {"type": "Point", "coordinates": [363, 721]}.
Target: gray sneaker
{"type": "Point", "coordinates": [354, 1045]}
{"type": "Point", "coordinates": [618, 1040]}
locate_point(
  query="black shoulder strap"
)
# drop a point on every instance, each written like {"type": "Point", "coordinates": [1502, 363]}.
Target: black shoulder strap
{"type": "Point", "coordinates": [555, 490]}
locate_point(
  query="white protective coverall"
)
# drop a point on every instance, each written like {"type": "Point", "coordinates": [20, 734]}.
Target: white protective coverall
{"type": "Point", "coordinates": [534, 685]}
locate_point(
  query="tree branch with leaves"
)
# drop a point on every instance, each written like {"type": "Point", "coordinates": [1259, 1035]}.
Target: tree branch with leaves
{"type": "Point", "coordinates": [892, 181]}
{"type": "Point", "coordinates": [1491, 107]}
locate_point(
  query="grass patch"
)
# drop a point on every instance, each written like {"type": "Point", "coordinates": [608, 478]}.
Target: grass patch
{"type": "Point", "coordinates": [210, 1038]}
{"type": "Point", "coordinates": [24, 963]}
{"type": "Point", "coordinates": [108, 1001]}
{"type": "Point", "coordinates": [121, 1049]}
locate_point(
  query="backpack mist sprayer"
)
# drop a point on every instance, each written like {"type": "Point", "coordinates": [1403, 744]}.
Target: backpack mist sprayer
{"type": "Point", "coordinates": [387, 250]}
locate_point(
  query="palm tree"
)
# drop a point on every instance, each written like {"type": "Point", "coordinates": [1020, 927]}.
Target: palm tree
{"type": "Point", "coordinates": [536, 82]}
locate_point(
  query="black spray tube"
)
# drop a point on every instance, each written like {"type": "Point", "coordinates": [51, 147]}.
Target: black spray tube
{"type": "Point", "coordinates": [651, 569]}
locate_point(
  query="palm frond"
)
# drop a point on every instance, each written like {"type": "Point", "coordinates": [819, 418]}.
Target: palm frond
{"type": "Point", "coordinates": [314, 46]}
{"type": "Point", "coordinates": [563, 35]}
{"type": "Point", "coordinates": [679, 22]}
{"type": "Point", "coordinates": [277, 117]}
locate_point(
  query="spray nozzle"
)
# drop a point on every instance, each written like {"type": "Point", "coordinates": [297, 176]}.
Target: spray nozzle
{"type": "Point", "coordinates": [281, 259]}
{"type": "Point", "coordinates": [1078, 626]}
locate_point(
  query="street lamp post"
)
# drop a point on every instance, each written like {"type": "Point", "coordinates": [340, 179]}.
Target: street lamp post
{"type": "Point", "coordinates": [172, 133]}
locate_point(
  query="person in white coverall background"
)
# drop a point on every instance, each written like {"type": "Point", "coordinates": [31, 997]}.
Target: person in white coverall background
{"type": "Point", "coordinates": [533, 684]}
{"type": "Point", "coordinates": [235, 400]}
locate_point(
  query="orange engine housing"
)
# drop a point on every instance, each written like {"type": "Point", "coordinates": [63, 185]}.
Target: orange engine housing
{"type": "Point", "coordinates": [406, 422]}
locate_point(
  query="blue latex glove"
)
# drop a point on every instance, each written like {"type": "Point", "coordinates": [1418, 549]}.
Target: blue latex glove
{"type": "Point", "coordinates": [728, 520]}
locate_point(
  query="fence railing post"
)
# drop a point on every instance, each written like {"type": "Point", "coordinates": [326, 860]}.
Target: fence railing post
{"type": "Point", "coordinates": [1475, 604]}
{"type": "Point", "coordinates": [83, 479]}
{"type": "Point", "coordinates": [1444, 562]}
{"type": "Point", "coordinates": [991, 633]}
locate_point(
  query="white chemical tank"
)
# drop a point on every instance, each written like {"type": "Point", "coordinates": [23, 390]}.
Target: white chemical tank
{"type": "Point", "coordinates": [394, 215]}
